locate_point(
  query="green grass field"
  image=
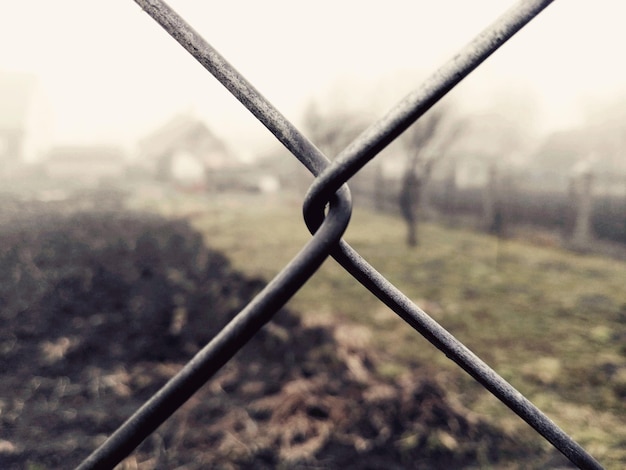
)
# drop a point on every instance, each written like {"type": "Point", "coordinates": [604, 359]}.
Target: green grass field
{"type": "Point", "coordinates": [551, 322]}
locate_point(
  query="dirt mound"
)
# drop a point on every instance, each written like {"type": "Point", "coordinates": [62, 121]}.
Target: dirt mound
{"type": "Point", "coordinates": [99, 310]}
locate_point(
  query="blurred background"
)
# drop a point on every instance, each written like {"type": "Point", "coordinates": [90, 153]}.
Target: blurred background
{"type": "Point", "coordinates": [95, 91]}
{"type": "Point", "coordinates": [502, 212]}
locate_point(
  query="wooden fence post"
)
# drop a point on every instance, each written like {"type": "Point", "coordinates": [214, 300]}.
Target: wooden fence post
{"type": "Point", "coordinates": [583, 193]}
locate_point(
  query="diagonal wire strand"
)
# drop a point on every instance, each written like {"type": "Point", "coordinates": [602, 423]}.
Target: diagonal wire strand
{"type": "Point", "coordinates": [261, 309]}
{"type": "Point", "coordinates": [367, 146]}
{"type": "Point", "coordinates": [225, 344]}
{"type": "Point", "coordinates": [391, 296]}
{"type": "Point", "coordinates": [380, 134]}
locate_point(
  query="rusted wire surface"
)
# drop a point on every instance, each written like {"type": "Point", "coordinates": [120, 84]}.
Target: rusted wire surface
{"type": "Point", "coordinates": [327, 228]}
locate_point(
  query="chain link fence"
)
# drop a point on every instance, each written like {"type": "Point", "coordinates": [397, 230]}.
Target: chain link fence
{"type": "Point", "coordinates": [327, 210]}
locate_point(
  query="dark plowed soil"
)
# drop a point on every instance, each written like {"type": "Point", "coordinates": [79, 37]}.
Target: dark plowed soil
{"type": "Point", "coordinates": [99, 309]}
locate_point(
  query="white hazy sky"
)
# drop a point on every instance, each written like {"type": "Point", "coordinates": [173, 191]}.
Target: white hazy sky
{"type": "Point", "coordinates": [112, 74]}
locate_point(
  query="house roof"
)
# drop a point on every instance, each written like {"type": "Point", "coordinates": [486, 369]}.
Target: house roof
{"type": "Point", "coordinates": [16, 91]}
{"type": "Point", "coordinates": [185, 133]}
{"type": "Point", "coordinates": [562, 149]}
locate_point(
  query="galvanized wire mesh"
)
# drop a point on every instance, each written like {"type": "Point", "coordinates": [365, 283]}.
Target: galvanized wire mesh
{"type": "Point", "coordinates": [327, 210]}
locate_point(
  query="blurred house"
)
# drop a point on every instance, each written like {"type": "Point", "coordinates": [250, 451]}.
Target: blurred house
{"type": "Point", "coordinates": [25, 122]}
{"type": "Point", "coordinates": [551, 165]}
{"type": "Point", "coordinates": [185, 151]}
{"type": "Point", "coordinates": [90, 165]}
{"type": "Point", "coordinates": [566, 154]}
{"type": "Point", "coordinates": [488, 141]}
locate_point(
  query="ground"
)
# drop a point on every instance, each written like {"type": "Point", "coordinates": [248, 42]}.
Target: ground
{"type": "Point", "coordinates": [101, 307]}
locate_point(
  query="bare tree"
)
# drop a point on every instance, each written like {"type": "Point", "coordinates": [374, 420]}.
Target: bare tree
{"type": "Point", "coordinates": [331, 131]}
{"type": "Point", "coordinates": [425, 143]}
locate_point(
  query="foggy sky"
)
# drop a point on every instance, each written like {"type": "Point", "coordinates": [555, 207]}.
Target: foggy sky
{"type": "Point", "coordinates": [111, 74]}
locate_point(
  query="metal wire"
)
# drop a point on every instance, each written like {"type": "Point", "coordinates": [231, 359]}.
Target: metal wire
{"type": "Point", "coordinates": [327, 229]}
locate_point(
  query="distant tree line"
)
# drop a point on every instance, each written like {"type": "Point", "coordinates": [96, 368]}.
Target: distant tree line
{"type": "Point", "coordinates": [560, 191]}
{"type": "Point", "coordinates": [513, 206]}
